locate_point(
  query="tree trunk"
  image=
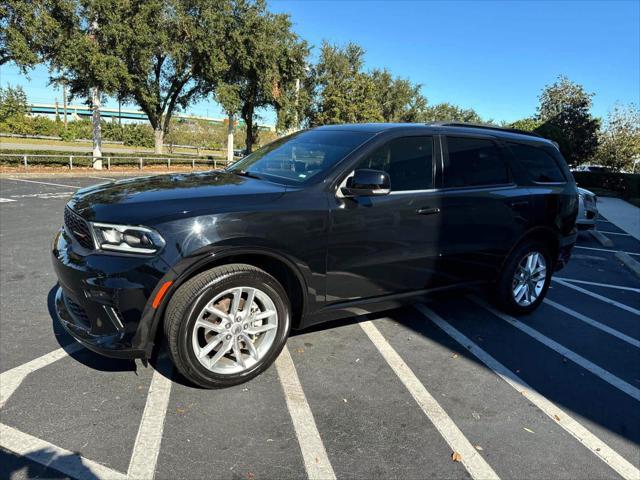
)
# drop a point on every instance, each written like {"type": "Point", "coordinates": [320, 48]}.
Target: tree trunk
{"type": "Point", "coordinates": [230, 129]}
{"type": "Point", "coordinates": [64, 103]}
{"type": "Point", "coordinates": [97, 131]}
{"type": "Point", "coordinates": [250, 138]}
{"type": "Point", "coordinates": [158, 135]}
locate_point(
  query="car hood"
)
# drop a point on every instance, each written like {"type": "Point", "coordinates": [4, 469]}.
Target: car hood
{"type": "Point", "coordinates": [162, 197]}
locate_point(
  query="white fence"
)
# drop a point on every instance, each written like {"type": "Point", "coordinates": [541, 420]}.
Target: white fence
{"type": "Point", "coordinates": [108, 161]}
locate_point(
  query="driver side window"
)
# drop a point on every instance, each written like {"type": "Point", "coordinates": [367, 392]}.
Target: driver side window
{"type": "Point", "coordinates": [407, 160]}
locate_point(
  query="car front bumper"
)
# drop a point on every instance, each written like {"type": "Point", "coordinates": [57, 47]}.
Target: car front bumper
{"type": "Point", "coordinates": [102, 300]}
{"type": "Point", "coordinates": [587, 215]}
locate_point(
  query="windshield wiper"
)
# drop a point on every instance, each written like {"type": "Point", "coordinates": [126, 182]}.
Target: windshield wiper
{"type": "Point", "coordinates": [245, 173]}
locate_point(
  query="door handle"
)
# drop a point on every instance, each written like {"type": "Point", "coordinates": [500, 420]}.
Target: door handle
{"type": "Point", "coordinates": [427, 211]}
{"type": "Point", "coordinates": [523, 203]}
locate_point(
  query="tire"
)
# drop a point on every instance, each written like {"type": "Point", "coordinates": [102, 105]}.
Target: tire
{"type": "Point", "coordinates": [506, 293]}
{"type": "Point", "coordinates": [201, 313]}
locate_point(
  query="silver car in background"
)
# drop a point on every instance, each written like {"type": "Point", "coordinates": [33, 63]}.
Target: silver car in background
{"type": "Point", "coordinates": [588, 209]}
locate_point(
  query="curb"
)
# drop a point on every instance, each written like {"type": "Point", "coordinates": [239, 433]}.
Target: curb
{"type": "Point", "coordinates": [629, 262]}
{"type": "Point", "coordinates": [601, 238]}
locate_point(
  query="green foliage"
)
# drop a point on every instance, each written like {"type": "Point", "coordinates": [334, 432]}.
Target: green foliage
{"type": "Point", "coordinates": [263, 58]}
{"type": "Point", "coordinates": [398, 99]}
{"type": "Point", "coordinates": [626, 185]}
{"type": "Point", "coordinates": [196, 132]}
{"type": "Point", "coordinates": [619, 140]}
{"type": "Point", "coordinates": [448, 112]}
{"type": "Point", "coordinates": [13, 102]}
{"type": "Point", "coordinates": [564, 114]}
{"type": "Point", "coordinates": [340, 91]}
{"type": "Point", "coordinates": [528, 124]}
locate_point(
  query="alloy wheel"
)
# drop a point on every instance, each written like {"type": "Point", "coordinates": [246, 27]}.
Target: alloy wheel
{"type": "Point", "coordinates": [235, 330]}
{"type": "Point", "coordinates": [529, 279]}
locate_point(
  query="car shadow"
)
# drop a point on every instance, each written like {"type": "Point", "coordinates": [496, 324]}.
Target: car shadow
{"type": "Point", "coordinates": [14, 465]}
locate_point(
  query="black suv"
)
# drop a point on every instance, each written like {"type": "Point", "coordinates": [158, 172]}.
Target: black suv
{"type": "Point", "coordinates": [304, 230]}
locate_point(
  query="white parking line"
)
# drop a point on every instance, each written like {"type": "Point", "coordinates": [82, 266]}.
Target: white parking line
{"type": "Point", "coordinates": [599, 297]}
{"type": "Point", "coordinates": [571, 426]}
{"type": "Point", "coordinates": [52, 456]}
{"type": "Point", "coordinates": [11, 379]}
{"type": "Point", "coordinates": [147, 445]}
{"type": "Point", "coordinates": [316, 461]}
{"type": "Point", "coordinates": [477, 467]}
{"type": "Point", "coordinates": [594, 323]}
{"type": "Point", "coordinates": [6, 200]}
{"type": "Point", "coordinates": [42, 183]}
{"type": "Point", "coordinates": [604, 250]}
{"type": "Point", "coordinates": [596, 284]}
{"type": "Point", "coordinates": [578, 359]}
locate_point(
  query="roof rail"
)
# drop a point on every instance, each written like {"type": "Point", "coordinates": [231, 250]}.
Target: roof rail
{"type": "Point", "coordinates": [484, 127]}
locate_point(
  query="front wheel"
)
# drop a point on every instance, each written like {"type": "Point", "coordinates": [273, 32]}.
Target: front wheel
{"type": "Point", "coordinates": [227, 325]}
{"type": "Point", "coordinates": [525, 278]}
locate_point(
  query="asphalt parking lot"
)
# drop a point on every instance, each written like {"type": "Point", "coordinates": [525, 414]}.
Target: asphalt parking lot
{"type": "Point", "coordinates": [448, 389]}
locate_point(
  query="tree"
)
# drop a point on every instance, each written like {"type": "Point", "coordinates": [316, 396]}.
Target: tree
{"type": "Point", "coordinates": [21, 38]}
{"type": "Point", "coordinates": [619, 140]}
{"type": "Point", "coordinates": [264, 58]}
{"type": "Point", "coordinates": [529, 124]}
{"type": "Point", "coordinates": [13, 103]}
{"type": "Point", "coordinates": [340, 91]}
{"type": "Point", "coordinates": [443, 112]}
{"type": "Point", "coordinates": [141, 50]}
{"type": "Point", "coordinates": [564, 113]}
{"type": "Point", "coordinates": [399, 100]}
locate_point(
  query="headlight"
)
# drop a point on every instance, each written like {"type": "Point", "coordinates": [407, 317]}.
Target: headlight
{"type": "Point", "coordinates": [126, 239]}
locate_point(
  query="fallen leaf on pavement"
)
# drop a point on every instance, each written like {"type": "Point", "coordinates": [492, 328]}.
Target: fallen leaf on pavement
{"type": "Point", "coordinates": [528, 430]}
{"type": "Point", "coordinates": [456, 457]}
{"type": "Point", "coordinates": [455, 355]}
{"type": "Point", "coordinates": [556, 417]}
{"type": "Point", "coordinates": [478, 447]}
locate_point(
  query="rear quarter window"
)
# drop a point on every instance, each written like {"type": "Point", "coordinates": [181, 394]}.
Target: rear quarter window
{"type": "Point", "coordinates": [540, 164]}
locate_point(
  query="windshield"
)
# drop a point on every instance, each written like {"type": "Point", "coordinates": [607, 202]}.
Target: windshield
{"type": "Point", "coordinates": [298, 157]}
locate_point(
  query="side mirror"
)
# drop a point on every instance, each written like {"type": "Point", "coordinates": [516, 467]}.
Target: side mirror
{"type": "Point", "coordinates": [366, 182]}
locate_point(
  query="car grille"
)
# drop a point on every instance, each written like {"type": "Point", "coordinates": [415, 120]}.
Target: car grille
{"type": "Point", "coordinates": [78, 227]}
{"type": "Point", "coordinates": [77, 311]}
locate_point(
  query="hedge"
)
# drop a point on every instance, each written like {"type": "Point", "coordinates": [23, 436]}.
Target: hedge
{"type": "Point", "coordinates": [626, 185]}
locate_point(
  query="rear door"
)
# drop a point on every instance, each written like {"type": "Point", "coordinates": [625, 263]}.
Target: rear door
{"type": "Point", "coordinates": [484, 211]}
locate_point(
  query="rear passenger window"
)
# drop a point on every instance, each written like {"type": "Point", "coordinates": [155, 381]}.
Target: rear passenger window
{"type": "Point", "coordinates": [540, 164]}
{"type": "Point", "coordinates": [408, 161]}
{"type": "Point", "coordinates": [474, 162]}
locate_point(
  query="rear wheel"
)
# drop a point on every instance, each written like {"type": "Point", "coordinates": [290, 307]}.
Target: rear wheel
{"type": "Point", "coordinates": [525, 278]}
{"type": "Point", "coordinates": [227, 325]}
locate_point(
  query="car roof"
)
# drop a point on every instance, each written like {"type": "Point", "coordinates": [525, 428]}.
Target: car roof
{"type": "Point", "coordinates": [441, 127]}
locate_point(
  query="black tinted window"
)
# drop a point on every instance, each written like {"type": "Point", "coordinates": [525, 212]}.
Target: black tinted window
{"type": "Point", "coordinates": [540, 164]}
{"type": "Point", "coordinates": [408, 161]}
{"type": "Point", "coordinates": [473, 162]}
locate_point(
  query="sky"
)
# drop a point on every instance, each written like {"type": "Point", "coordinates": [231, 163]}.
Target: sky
{"type": "Point", "coordinates": [492, 56]}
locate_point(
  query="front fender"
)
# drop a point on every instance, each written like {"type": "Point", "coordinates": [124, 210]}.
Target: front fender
{"type": "Point", "coordinates": [208, 258]}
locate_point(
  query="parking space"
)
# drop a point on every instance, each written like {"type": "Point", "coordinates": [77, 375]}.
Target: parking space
{"type": "Point", "coordinates": [450, 388]}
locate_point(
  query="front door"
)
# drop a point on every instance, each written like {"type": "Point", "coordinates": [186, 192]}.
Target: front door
{"type": "Point", "coordinates": [380, 245]}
